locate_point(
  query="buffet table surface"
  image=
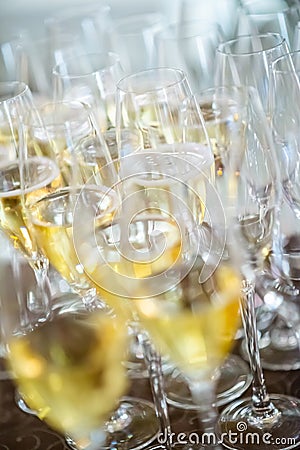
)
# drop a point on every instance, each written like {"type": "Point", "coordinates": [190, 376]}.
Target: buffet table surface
{"type": "Point", "coordinates": [21, 431]}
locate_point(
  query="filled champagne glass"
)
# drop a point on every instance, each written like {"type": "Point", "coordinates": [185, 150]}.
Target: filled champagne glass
{"type": "Point", "coordinates": [64, 132]}
{"type": "Point", "coordinates": [69, 368]}
{"type": "Point", "coordinates": [148, 257]}
{"type": "Point", "coordinates": [52, 217]}
{"type": "Point", "coordinates": [25, 174]}
{"type": "Point", "coordinates": [150, 103]}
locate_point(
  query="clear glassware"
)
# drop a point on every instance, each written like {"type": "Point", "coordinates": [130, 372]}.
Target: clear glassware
{"type": "Point", "coordinates": [31, 60]}
{"type": "Point", "coordinates": [253, 200]}
{"type": "Point", "coordinates": [68, 367]}
{"type": "Point", "coordinates": [83, 159]}
{"type": "Point", "coordinates": [222, 12]}
{"type": "Point", "coordinates": [64, 132]}
{"type": "Point", "coordinates": [246, 60]}
{"type": "Point", "coordinates": [90, 23]}
{"type": "Point", "coordinates": [90, 78]}
{"type": "Point", "coordinates": [150, 103]}
{"type": "Point", "coordinates": [282, 21]}
{"type": "Point", "coordinates": [24, 173]}
{"type": "Point", "coordinates": [280, 343]}
{"type": "Point", "coordinates": [132, 39]}
{"type": "Point", "coordinates": [148, 258]}
{"type": "Point", "coordinates": [191, 47]}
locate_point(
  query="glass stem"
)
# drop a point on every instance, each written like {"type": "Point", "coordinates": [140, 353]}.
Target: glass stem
{"type": "Point", "coordinates": [154, 366]}
{"type": "Point", "coordinates": [262, 407]}
{"type": "Point", "coordinates": [203, 395]}
{"type": "Point", "coordinates": [40, 267]}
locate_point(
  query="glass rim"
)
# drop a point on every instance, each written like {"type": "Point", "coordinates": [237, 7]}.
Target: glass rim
{"type": "Point", "coordinates": [181, 78]}
{"type": "Point", "coordinates": [11, 86]}
{"type": "Point", "coordinates": [40, 111]}
{"type": "Point", "coordinates": [221, 49]}
{"type": "Point", "coordinates": [284, 57]}
{"type": "Point", "coordinates": [114, 57]}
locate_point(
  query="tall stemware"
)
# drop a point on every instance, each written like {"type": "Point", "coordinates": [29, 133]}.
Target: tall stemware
{"type": "Point", "coordinates": [24, 174]}
{"type": "Point", "coordinates": [83, 160]}
{"type": "Point", "coordinates": [281, 349]}
{"type": "Point", "coordinates": [90, 78]}
{"type": "Point", "coordinates": [132, 39]}
{"type": "Point", "coordinates": [64, 132]}
{"type": "Point", "coordinates": [246, 60]}
{"type": "Point", "coordinates": [150, 256]}
{"type": "Point", "coordinates": [190, 46]}
{"type": "Point", "coordinates": [158, 104]}
{"type": "Point", "coordinates": [252, 192]}
{"type": "Point", "coordinates": [149, 103]}
{"type": "Point", "coordinates": [282, 21]}
{"type": "Point", "coordinates": [82, 351]}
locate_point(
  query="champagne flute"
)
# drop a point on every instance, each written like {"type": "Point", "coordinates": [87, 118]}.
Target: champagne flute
{"type": "Point", "coordinates": [24, 174]}
{"type": "Point", "coordinates": [253, 200]}
{"type": "Point", "coordinates": [132, 39]}
{"type": "Point", "coordinates": [190, 46]}
{"type": "Point", "coordinates": [281, 349]}
{"type": "Point", "coordinates": [90, 78]}
{"type": "Point", "coordinates": [149, 103]}
{"type": "Point", "coordinates": [78, 148]}
{"type": "Point", "coordinates": [150, 255]}
{"type": "Point", "coordinates": [246, 60]}
{"type": "Point", "coordinates": [64, 131]}
{"type": "Point", "coordinates": [68, 367]}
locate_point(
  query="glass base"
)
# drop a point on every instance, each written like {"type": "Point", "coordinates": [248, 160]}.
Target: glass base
{"type": "Point", "coordinates": [239, 428]}
{"type": "Point", "coordinates": [23, 405]}
{"type": "Point", "coordinates": [133, 426]}
{"type": "Point", "coordinates": [233, 380]}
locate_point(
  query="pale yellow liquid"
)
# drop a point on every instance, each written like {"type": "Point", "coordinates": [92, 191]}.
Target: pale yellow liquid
{"type": "Point", "coordinates": [159, 123]}
{"type": "Point", "coordinates": [8, 144]}
{"type": "Point", "coordinates": [13, 205]}
{"type": "Point", "coordinates": [70, 370]}
{"type": "Point", "coordinates": [52, 224]}
{"type": "Point", "coordinates": [192, 323]}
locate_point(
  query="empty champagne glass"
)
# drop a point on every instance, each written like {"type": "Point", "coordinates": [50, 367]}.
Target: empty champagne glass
{"type": "Point", "coordinates": [90, 78]}
{"type": "Point", "coordinates": [253, 200]}
{"type": "Point", "coordinates": [282, 21]}
{"type": "Point", "coordinates": [132, 39]}
{"type": "Point", "coordinates": [191, 47]}
{"type": "Point", "coordinates": [90, 23]}
{"type": "Point", "coordinates": [246, 60]}
{"type": "Point", "coordinates": [222, 12]}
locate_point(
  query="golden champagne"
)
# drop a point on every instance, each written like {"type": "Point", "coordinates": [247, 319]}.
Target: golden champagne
{"type": "Point", "coordinates": [70, 370]}
{"type": "Point", "coordinates": [44, 176]}
{"type": "Point", "coordinates": [158, 123]}
{"type": "Point", "coordinates": [192, 323]}
{"type": "Point", "coordinates": [52, 224]}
